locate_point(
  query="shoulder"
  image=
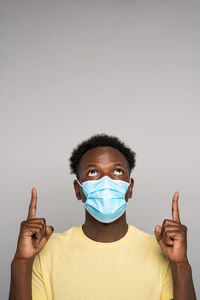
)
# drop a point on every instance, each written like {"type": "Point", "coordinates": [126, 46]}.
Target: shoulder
{"type": "Point", "coordinates": [143, 236]}
{"type": "Point", "coordinates": [149, 251]}
{"type": "Point", "coordinates": [59, 240]}
{"type": "Point", "coordinates": [147, 243]}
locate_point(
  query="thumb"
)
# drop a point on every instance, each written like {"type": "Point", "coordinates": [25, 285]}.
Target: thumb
{"type": "Point", "coordinates": [157, 232]}
{"type": "Point", "coordinates": [48, 232]}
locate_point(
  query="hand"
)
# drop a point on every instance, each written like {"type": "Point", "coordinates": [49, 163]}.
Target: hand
{"type": "Point", "coordinates": [172, 236]}
{"type": "Point", "coordinates": [33, 233]}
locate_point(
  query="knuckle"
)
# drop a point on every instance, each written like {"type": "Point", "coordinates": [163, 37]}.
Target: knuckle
{"type": "Point", "coordinates": [164, 229]}
{"type": "Point", "coordinates": [165, 221]}
{"type": "Point", "coordinates": [177, 222]}
{"type": "Point", "coordinates": [23, 223]}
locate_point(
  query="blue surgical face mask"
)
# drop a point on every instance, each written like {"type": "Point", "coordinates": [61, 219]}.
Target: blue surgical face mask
{"type": "Point", "coordinates": [105, 198]}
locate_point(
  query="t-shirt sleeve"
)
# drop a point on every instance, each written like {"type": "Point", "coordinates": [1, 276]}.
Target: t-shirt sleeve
{"type": "Point", "coordinates": [38, 287]}
{"type": "Point", "coordinates": [167, 284]}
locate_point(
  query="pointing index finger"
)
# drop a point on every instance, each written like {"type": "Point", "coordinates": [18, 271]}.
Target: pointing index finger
{"type": "Point", "coordinates": [32, 205]}
{"type": "Point", "coordinates": [175, 209]}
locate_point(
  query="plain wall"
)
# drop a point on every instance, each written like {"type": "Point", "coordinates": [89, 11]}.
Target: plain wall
{"type": "Point", "coordinates": [70, 69]}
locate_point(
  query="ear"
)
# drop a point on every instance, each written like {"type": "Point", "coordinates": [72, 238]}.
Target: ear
{"type": "Point", "coordinates": [130, 189]}
{"type": "Point", "coordinates": [77, 189]}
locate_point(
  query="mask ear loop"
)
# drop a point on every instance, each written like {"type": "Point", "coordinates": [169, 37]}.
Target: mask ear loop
{"type": "Point", "coordinates": [128, 187]}
{"type": "Point", "coordinates": [79, 182]}
{"type": "Point", "coordinates": [81, 186]}
{"type": "Point", "coordinates": [129, 181]}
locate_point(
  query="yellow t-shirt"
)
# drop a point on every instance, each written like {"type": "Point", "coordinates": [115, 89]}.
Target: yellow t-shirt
{"type": "Point", "coordinates": [72, 266]}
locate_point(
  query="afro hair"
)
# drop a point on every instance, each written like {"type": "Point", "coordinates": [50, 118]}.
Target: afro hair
{"type": "Point", "coordinates": [99, 140]}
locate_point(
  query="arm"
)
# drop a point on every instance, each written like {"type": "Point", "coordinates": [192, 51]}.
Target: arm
{"type": "Point", "coordinates": [21, 279]}
{"type": "Point", "coordinates": [33, 236]}
{"type": "Point", "coordinates": [172, 238]}
{"type": "Point", "coordinates": [182, 281]}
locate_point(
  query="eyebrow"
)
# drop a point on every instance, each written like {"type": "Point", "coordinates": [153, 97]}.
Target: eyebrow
{"type": "Point", "coordinates": [114, 165]}
{"type": "Point", "coordinates": [91, 166]}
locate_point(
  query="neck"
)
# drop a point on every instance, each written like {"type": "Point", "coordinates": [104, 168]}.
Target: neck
{"type": "Point", "coordinates": [105, 232]}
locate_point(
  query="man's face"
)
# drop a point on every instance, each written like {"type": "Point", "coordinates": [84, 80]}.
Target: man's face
{"type": "Point", "coordinates": [99, 162]}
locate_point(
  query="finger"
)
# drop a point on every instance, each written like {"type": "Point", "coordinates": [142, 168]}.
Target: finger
{"type": "Point", "coordinates": [169, 227]}
{"type": "Point", "coordinates": [175, 209]}
{"type": "Point", "coordinates": [167, 230]}
{"type": "Point", "coordinates": [167, 222]}
{"type": "Point", "coordinates": [159, 236]}
{"type": "Point", "coordinates": [36, 225]}
{"type": "Point", "coordinates": [33, 205]}
{"type": "Point", "coordinates": [32, 232]}
{"type": "Point", "coordinates": [157, 231]}
{"type": "Point", "coordinates": [168, 237]}
{"type": "Point", "coordinates": [48, 232]}
{"type": "Point", "coordinates": [34, 229]}
{"type": "Point", "coordinates": [38, 236]}
{"type": "Point", "coordinates": [35, 233]}
{"type": "Point", "coordinates": [36, 221]}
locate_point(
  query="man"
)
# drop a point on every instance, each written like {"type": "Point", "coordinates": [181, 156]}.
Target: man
{"type": "Point", "coordinates": [105, 258]}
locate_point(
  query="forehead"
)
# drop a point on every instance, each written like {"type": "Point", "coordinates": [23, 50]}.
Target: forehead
{"type": "Point", "coordinates": [102, 155]}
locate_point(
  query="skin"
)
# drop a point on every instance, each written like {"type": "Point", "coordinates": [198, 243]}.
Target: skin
{"type": "Point", "coordinates": [171, 236]}
{"type": "Point", "coordinates": [95, 164]}
{"type": "Point", "coordinates": [34, 233]}
{"type": "Point", "coordinates": [172, 239]}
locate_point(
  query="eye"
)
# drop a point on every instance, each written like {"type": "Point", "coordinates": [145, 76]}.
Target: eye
{"type": "Point", "coordinates": [92, 173]}
{"type": "Point", "coordinates": [118, 171]}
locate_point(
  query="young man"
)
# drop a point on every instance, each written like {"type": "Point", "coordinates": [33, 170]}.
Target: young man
{"type": "Point", "coordinates": [105, 258]}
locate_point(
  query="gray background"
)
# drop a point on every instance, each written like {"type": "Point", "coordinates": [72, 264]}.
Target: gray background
{"type": "Point", "coordinates": [70, 69]}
